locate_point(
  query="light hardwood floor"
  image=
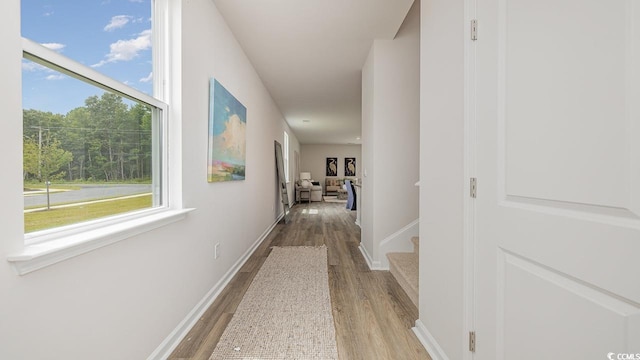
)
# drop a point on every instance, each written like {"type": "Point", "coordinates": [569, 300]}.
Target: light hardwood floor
{"type": "Point", "coordinates": [373, 316]}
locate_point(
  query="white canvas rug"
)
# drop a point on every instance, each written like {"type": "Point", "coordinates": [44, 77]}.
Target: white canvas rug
{"type": "Point", "coordinates": [286, 312]}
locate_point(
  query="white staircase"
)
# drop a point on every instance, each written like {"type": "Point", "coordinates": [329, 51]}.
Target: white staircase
{"type": "Point", "coordinates": [404, 267]}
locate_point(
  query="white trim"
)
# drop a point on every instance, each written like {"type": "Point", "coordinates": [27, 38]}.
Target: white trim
{"type": "Point", "coordinates": [49, 58]}
{"type": "Point", "coordinates": [285, 155]}
{"type": "Point", "coordinates": [164, 350]}
{"type": "Point", "coordinates": [373, 265]}
{"type": "Point", "coordinates": [470, 170]}
{"type": "Point", "coordinates": [399, 241]}
{"type": "Point", "coordinates": [170, 73]}
{"type": "Point", "coordinates": [429, 342]}
{"type": "Point", "coordinates": [40, 255]}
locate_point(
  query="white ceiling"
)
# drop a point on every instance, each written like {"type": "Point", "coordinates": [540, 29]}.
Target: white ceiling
{"type": "Point", "coordinates": [310, 53]}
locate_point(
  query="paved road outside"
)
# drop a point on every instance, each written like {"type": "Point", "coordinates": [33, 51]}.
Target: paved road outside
{"type": "Point", "coordinates": [86, 193]}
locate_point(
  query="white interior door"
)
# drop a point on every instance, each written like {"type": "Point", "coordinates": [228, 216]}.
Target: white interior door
{"type": "Point", "coordinates": [558, 167]}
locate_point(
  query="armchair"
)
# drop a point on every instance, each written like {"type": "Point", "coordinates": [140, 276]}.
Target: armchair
{"type": "Point", "coordinates": [332, 185]}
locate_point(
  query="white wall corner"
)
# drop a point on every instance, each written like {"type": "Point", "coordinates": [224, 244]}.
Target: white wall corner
{"type": "Point", "coordinates": [429, 342]}
{"type": "Point", "coordinates": [399, 241]}
{"type": "Point", "coordinates": [373, 265]}
{"type": "Point", "coordinates": [164, 350]}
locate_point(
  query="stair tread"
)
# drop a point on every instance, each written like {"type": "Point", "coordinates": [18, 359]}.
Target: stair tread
{"type": "Point", "coordinates": [407, 265]}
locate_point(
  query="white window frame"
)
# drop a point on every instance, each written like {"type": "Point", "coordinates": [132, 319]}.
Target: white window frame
{"type": "Point", "coordinates": [47, 247]}
{"type": "Point", "coordinates": [286, 156]}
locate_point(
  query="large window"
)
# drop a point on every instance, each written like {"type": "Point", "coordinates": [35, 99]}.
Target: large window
{"type": "Point", "coordinates": [285, 156]}
{"type": "Point", "coordinates": [93, 117]}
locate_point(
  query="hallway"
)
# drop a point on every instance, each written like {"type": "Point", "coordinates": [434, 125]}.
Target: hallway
{"type": "Point", "coordinates": [373, 316]}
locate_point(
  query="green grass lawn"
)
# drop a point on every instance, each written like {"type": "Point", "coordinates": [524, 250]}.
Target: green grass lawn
{"type": "Point", "coordinates": [46, 219]}
{"type": "Point", "coordinates": [52, 187]}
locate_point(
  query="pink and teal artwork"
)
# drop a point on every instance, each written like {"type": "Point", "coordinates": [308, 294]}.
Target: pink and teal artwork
{"type": "Point", "coordinates": [227, 135]}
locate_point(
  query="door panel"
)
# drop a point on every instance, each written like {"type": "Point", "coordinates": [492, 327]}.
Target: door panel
{"type": "Point", "coordinates": [551, 104]}
{"type": "Point", "coordinates": [558, 165]}
{"type": "Point", "coordinates": [592, 322]}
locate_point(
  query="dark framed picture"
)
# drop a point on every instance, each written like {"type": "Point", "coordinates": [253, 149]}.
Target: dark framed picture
{"type": "Point", "coordinates": [332, 166]}
{"type": "Point", "coordinates": [350, 166]}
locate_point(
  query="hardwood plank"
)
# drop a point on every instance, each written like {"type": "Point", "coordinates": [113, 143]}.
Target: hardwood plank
{"type": "Point", "coordinates": [209, 344]}
{"type": "Point", "coordinates": [373, 316]}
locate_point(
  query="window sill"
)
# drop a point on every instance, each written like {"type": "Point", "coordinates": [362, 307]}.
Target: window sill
{"type": "Point", "coordinates": [40, 255]}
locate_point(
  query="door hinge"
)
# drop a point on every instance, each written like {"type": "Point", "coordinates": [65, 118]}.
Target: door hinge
{"type": "Point", "coordinates": [473, 187]}
{"type": "Point", "coordinates": [474, 29]}
{"type": "Point", "coordinates": [472, 341]}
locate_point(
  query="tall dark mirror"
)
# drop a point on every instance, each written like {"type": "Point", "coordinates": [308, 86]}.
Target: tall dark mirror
{"type": "Point", "coordinates": [282, 182]}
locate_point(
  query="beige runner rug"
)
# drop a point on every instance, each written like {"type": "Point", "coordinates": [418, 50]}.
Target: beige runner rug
{"type": "Point", "coordinates": [286, 312]}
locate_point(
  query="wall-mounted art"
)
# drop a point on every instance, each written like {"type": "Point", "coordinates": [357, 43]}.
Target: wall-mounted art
{"type": "Point", "coordinates": [332, 167]}
{"type": "Point", "coordinates": [350, 166]}
{"type": "Point", "coordinates": [227, 135]}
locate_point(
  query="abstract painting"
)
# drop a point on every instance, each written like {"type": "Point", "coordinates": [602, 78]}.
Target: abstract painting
{"type": "Point", "coordinates": [350, 166]}
{"type": "Point", "coordinates": [332, 166]}
{"type": "Point", "coordinates": [227, 135]}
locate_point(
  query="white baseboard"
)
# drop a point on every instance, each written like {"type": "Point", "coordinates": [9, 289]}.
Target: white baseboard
{"type": "Point", "coordinates": [373, 265]}
{"type": "Point", "coordinates": [429, 342]}
{"type": "Point", "coordinates": [164, 350]}
{"type": "Point", "coordinates": [399, 241]}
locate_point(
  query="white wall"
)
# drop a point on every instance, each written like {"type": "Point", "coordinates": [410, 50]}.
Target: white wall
{"type": "Point", "coordinates": [123, 300]}
{"type": "Point", "coordinates": [314, 157]}
{"type": "Point", "coordinates": [368, 165]}
{"type": "Point", "coordinates": [390, 142]}
{"type": "Point", "coordinates": [442, 184]}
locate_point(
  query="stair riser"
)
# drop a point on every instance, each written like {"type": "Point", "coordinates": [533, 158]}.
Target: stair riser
{"type": "Point", "coordinates": [416, 245]}
{"type": "Point", "coordinates": [404, 268]}
{"type": "Point", "coordinates": [404, 284]}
